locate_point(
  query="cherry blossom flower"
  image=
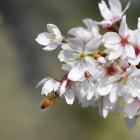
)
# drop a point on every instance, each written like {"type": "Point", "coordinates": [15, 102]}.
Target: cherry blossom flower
{"type": "Point", "coordinates": [125, 84]}
{"type": "Point", "coordinates": [52, 39]}
{"type": "Point", "coordinates": [119, 45]}
{"type": "Point", "coordinates": [77, 53]}
{"type": "Point", "coordinates": [113, 13]}
{"type": "Point", "coordinates": [63, 88]}
{"type": "Point", "coordinates": [48, 85]}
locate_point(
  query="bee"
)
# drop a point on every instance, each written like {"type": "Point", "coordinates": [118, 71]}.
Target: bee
{"type": "Point", "coordinates": [49, 100]}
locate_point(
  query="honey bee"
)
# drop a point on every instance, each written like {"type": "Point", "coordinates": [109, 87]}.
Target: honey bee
{"type": "Point", "coordinates": [49, 100]}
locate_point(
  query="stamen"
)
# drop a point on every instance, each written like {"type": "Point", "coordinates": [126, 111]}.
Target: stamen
{"type": "Point", "coordinates": [125, 80]}
{"type": "Point", "coordinates": [53, 37]}
{"type": "Point", "coordinates": [82, 56]}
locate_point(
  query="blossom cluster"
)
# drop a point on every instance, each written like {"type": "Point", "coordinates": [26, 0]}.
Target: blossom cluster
{"type": "Point", "coordinates": [101, 63]}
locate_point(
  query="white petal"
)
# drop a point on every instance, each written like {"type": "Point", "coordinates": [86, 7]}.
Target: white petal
{"type": "Point", "coordinates": [107, 104]}
{"type": "Point", "coordinates": [111, 38]}
{"type": "Point", "coordinates": [92, 26]}
{"type": "Point", "coordinates": [139, 23]}
{"type": "Point", "coordinates": [50, 47]}
{"type": "Point", "coordinates": [105, 113]}
{"type": "Point", "coordinates": [50, 86]}
{"type": "Point", "coordinates": [66, 67]}
{"type": "Point", "coordinates": [93, 44]}
{"type": "Point", "coordinates": [130, 52]}
{"type": "Point", "coordinates": [114, 54]}
{"type": "Point", "coordinates": [66, 47]}
{"type": "Point", "coordinates": [43, 38]}
{"type": "Point", "coordinates": [115, 6]}
{"type": "Point", "coordinates": [92, 67]}
{"type": "Point", "coordinates": [66, 56]}
{"type": "Point", "coordinates": [77, 72]}
{"type": "Point", "coordinates": [58, 35]}
{"type": "Point", "coordinates": [128, 99]}
{"type": "Point", "coordinates": [123, 31]}
{"type": "Point", "coordinates": [127, 6]}
{"type": "Point", "coordinates": [77, 45]}
{"type": "Point", "coordinates": [135, 73]}
{"type": "Point", "coordinates": [54, 30]}
{"type": "Point", "coordinates": [137, 38]}
{"type": "Point", "coordinates": [104, 90]}
{"type": "Point", "coordinates": [91, 61]}
{"type": "Point", "coordinates": [111, 79]}
{"type": "Point", "coordinates": [113, 95]}
{"type": "Point", "coordinates": [51, 28]}
{"type": "Point", "coordinates": [105, 11]}
{"type": "Point", "coordinates": [81, 33]}
{"type": "Point", "coordinates": [69, 96]}
{"type": "Point", "coordinates": [90, 94]}
{"type": "Point", "coordinates": [41, 82]}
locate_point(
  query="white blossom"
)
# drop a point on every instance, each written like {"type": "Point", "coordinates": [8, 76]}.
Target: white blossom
{"type": "Point", "coordinates": [49, 85]}
{"type": "Point", "coordinates": [113, 13]}
{"type": "Point", "coordinates": [119, 45]}
{"type": "Point", "coordinates": [126, 84]}
{"type": "Point", "coordinates": [52, 39]}
{"type": "Point", "coordinates": [76, 53]}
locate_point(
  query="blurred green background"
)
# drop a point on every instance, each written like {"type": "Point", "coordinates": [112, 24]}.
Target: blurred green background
{"type": "Point", "coordinates": [23, 64]}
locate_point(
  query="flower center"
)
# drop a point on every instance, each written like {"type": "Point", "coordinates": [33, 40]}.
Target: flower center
{"type": "Point", "coordinates": [124, 41]}
{"type": "Point", "coordinates": [53, 37]}
{"type": "Point", "coordinates": [82, 55]}
{"type": "Point", "coordinates": [115, 18]}
{"type": "Point", "coordinates": [111, 71]}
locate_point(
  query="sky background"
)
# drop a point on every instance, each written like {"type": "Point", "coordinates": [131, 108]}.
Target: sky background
{"type": "Point", "coordinates": [23, 64]}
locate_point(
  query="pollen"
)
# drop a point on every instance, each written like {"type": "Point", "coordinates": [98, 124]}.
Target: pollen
{"type": "Point", "coordinates": [82, 56]}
